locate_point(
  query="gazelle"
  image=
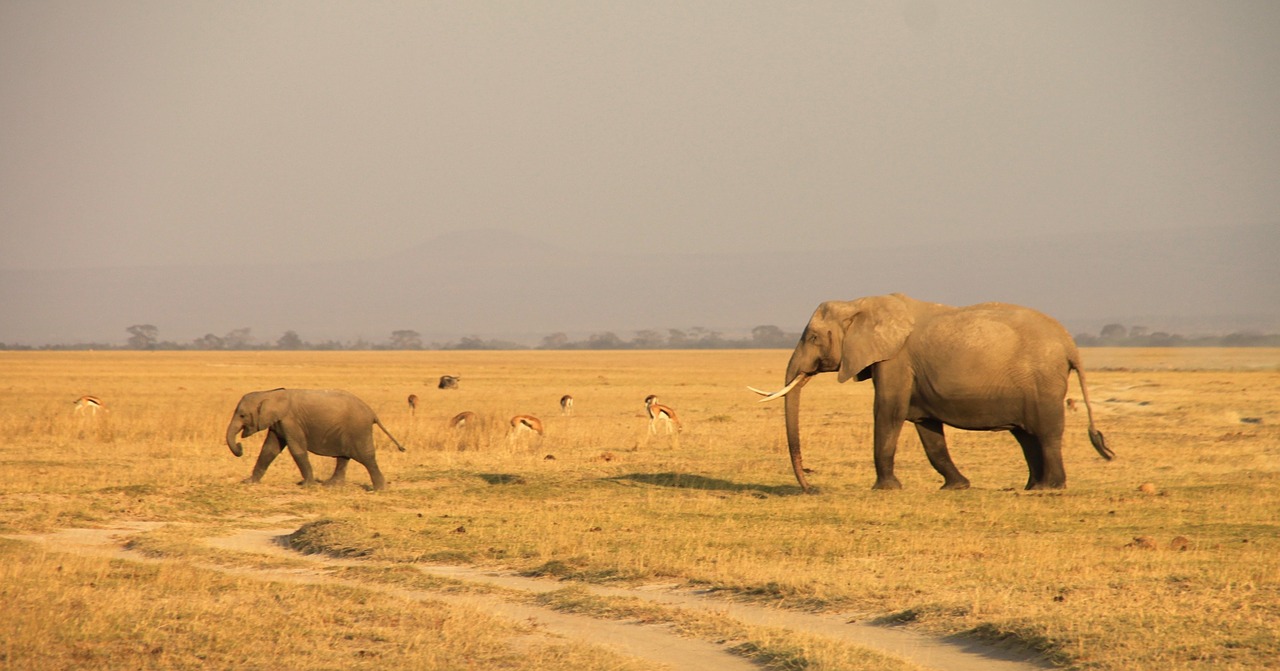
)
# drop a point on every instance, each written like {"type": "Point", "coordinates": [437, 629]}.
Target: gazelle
{"type": "Point", "coordinates": [461, 419]}
{"type": "Point", "coordinates": [566, 405]}
{"type": "Point", "coordinates": [413, 403]}
{"type": "Point", "coordinates": [449, 381]}
{"type": "Point", "coordinates": [526, 423]}
{"type": "Point", "coordinates": [93, 403]}
{"type": "Point", "coordinates": [657, 412]}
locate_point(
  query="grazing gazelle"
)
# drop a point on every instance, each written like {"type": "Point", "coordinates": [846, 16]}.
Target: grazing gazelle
{"type": "Point", "coordinates": [461, 419]}
{"type": "Point", "coordinates": [449, 381]}
{"type": "Point", "coordinates": [413, 403]}
{"type": "Point", "coordinates": [566, 405]}
{"type": "Point", "coordinates": [525, 423]}
{"type": "Point", "coordinates": [657, 411]}
{"type": "Point", "coordinates": [93, 403]}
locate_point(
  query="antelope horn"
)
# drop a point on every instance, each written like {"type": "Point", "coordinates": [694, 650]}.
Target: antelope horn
{"type": "Point", "coordinates": [777, 394]}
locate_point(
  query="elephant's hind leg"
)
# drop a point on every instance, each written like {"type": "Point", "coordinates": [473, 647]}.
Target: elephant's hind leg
{"type": "Point", "coordinates": [1034, 454]}
{"type": "Point", "coordinates": [339, 472]}
{"type": "Point", "coordinates": [1044, 460]}
{"type": "Point", "coordinates": [1041, 441]}
{"type": "Point", "coordinates": [935, 447]}
{"type": "Point", "coordinates": [375, 473]}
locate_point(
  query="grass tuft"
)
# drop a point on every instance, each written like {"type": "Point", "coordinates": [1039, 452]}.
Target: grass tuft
{"type": "Point", "coordinates": [781, 659]}
{"type": "Point", "coordinates": [326, 536]}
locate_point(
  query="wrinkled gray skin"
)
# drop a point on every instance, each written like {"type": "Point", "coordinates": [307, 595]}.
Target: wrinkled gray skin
{"type": "Point", "coordinates": [987, 367]}
{"type": "Point", "coordinates": [329, 422]}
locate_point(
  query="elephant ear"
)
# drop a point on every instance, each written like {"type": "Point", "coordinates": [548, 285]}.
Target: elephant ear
{"type": "Point", "coordinates": [271, 407]}
{"type": "Point", "coordinates": [876, 331]}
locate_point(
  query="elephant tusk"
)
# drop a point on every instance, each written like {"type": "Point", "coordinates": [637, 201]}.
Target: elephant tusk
{"type": "Point", "coordinates": [780, 393]}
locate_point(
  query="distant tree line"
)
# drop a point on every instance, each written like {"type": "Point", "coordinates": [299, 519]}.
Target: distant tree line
{"type": "Point", "coordinates": [1118, 335]}
{"type": "Point", "coordinates": [147, 337]}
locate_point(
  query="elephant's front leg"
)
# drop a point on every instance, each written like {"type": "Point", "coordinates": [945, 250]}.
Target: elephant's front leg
{"type": "Point", "coordinates": [299, 454]}
{"type": "Point", "coordinates": [935, 447]}
{"type": "Point", "coordinates": [270, 450]}
{"type": "Point", "coordinates": [893, 398]}
{"type": "Point", "coordinates": [886, 446]}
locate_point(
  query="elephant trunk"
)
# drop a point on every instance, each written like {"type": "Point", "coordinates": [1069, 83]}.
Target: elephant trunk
{"type": "Point", "coordinates": [793, 426]}
{"type": "Point", "coordinates": [232, 439]}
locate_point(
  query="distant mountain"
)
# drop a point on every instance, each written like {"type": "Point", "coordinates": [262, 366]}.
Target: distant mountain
{"type": "Point", "coordinates": [495, 284]}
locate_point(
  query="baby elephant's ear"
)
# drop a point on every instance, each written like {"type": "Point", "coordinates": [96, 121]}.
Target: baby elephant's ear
{"type": "Point", "coordinates": [271, 406]}
{"type": "Point", "coordinates": [876, 331]}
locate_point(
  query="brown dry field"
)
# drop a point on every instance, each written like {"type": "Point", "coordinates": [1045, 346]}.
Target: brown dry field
{"type": "Point", "coordinates": [1107, 574]}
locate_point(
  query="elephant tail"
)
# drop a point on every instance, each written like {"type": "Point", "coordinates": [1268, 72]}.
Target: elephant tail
{"type": "Point", "coordinates": [1095, 436]}
{"type": "Point", "coordinates": [388, 433]}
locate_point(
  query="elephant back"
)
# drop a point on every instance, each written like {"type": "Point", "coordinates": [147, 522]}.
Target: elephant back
{"type": "Point", "coordinates": [336, 422]}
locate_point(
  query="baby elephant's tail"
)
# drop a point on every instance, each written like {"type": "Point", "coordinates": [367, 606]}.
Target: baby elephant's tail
{"type": "Point", "coordinates": [384, 430]}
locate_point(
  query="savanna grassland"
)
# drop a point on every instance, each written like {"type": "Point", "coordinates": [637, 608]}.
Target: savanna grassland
{"type": "Point", "coordinates": [1183, 573]}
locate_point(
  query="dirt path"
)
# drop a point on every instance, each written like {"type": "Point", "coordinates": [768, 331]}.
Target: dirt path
{"type": "Point", "coordinates": [648, 642]}
{"type": "Point", "coordinates": [655, 643]}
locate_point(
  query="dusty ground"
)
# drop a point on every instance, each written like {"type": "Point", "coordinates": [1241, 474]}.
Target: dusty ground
{"type": "Point", "coordinates": [654, 643]}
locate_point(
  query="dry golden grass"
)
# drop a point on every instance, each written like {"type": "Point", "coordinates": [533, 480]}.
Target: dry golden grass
{"type": "Point", "coordinates": [713, 506]}
{"type": "Point", "coordinates": [69, 612]}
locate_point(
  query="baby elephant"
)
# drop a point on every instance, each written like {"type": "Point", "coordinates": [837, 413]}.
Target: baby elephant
{"type": "Point", "coordinates": [327, 422]}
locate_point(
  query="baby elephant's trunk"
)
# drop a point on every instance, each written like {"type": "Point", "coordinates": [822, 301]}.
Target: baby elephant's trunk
{"type": "Point", "coordinates": [232, 439]}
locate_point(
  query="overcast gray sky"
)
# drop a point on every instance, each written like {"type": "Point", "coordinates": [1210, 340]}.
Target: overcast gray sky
{"type": "Point", "coordinates": [210, 132]}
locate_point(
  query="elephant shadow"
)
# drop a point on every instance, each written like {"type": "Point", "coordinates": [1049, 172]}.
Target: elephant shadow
{"type": "Point", "coordinates": [502, 479]}
{"type": "Point", "coordinates": [691, 481]}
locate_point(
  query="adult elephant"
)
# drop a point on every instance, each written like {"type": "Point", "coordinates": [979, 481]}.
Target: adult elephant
{"type": "Point", "coordinates": [328, 422]}
{"type": "Point", "coordinates": [987, 367]}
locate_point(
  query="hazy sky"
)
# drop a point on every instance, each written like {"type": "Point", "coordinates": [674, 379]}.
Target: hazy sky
{"type": "Point", "coordinates": [211, 132]}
